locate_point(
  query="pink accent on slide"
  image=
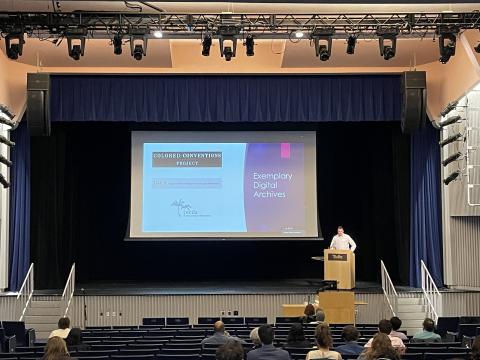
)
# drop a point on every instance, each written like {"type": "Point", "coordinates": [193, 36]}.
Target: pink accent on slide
{"type": "Point", "coordinates": [285, 150]}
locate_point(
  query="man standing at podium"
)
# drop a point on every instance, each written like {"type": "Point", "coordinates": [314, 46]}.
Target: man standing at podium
{"type": "Point", "coordinates": [342, 241]}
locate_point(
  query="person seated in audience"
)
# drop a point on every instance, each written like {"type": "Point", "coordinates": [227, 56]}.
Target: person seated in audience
{"type": "Point", "coordinates": [296, 338]}
{"type": "Point", "coordinates": [350, 334]}
{"type": "Point", "coordinates": [385, 327]}
{"type": "Point", "coordinates": [381, 348]}
{"type": "Point", "coordinates": [324, 341]}
{"type": "Point", "coordinates": [396, 324]}
{"type": "Point", "coordinates": [267, 351]}
{"type": "Point", "coordinates": [427, 334]}
{"type": "Point", "coordinates": [231, 350]}
{"type": "Point", "coordinates": [308, 314]}
{"type": "Point", "coordinates": [63, 328]}
{"type": "Point", "coordinates": [74, 340]}
{"type": "Point", "coordinates": [475, 354]}
{"type": "Point", "coordinates": [319, 316]}
{"type": "Point", "coordinates": [56, 349]}
{"type": "Point", "coordinates": [255, 339]}
{"type": "Point", "coordinates": [220, 336]}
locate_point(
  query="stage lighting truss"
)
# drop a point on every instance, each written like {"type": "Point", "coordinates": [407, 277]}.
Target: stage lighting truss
{"type": "Point", "coordinates": [231, 27]}
{"type": "Point", "coordinates": [472, 144]}
{"type": "Point", "coordinates": [7, 123]}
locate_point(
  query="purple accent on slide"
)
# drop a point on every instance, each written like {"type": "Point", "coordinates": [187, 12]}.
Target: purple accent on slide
{"type": "Point", "coordinates": [270, 201]}
{"type": "Point", "coordinates": [285, 150]}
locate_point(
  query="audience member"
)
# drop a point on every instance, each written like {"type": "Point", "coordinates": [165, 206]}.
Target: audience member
{"type": "Point", "coordinates": [396, 325]}
{"type": "Point", "coordinates": [296, 337]}
{"type": "Point", "coordinates": [385, 327]}
{"type": "Point", "coordinates": [255, 338]}
{"type": "Point", "coordinates": [74, 340]}
{"type": "Point", "coordinates": [475, 355]}
{"type": "Point", "coordinates": [63, 328]}
{"type": "Point", "coordinates": [231, 350]}
{"type": "Point", "coordinates": [220, 336]}
{"type": "Point", "coordinates": [320, 316]}
{"type": "Point", "coordinates": [267, 351]}
{"type": "Point", "coordinates": [427, 334]}
{"type": "Point", "coordinates": [350, 334]}
{"type": "Point", "coordinates": [56, 349]}
{"type": "Point", "coordinates": [308, 314]}
{"type": "Point", "coordinates": [381, 349]}
{"type": "Point", "coordinates": [324, 342]}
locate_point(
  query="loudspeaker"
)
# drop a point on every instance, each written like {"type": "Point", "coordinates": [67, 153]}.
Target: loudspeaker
{"type": "Point", "coordinates": [38, 98]}
{"type": "Point", "coordinates": [414, 97]}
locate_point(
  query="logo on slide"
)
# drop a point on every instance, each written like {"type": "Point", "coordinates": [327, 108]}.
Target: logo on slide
{"type": "Point", "coordinates": [185, 210]}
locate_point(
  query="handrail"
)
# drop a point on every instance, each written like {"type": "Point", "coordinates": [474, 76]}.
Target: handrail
{"type": "Point", "coordinates": [431, 294]}
{"type": "Point", "coordinates": [25, 293]}
{"type": "Point", "coordinates": [388, 289]}
{"type": "Point", "coordinates": [68, 291]}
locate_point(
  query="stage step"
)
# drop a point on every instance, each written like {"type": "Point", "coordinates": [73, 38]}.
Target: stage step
{"type": "Point", "coordinates": [412, 311]}
{"type": "Point", "coordinates": [44, 303]}
{"type": "Point", "coordinates": [43, 315]}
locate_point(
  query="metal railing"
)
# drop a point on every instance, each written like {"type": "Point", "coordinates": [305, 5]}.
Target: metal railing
{"type": "Point", "coordinates": [68, 291]}
{"type": "Point", "coordinates": [388, 289]}
{"type": "Point", "coordinates": [25, 294]}
{"type": "Point", "coordinates": [431, 294]}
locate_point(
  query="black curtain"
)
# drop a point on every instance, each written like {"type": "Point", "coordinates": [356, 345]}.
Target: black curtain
{"type": "Point", "coordinates": [81, 197]}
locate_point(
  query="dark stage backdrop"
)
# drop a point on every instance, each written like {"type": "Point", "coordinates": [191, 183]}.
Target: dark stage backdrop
{"type": "Point", "coordinates": [80, 185]}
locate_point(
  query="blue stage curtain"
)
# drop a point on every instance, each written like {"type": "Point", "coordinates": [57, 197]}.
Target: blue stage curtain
{"type": "Point", "coordinates": [225, 98]}
{"type": "Point", "coordinates": [19, 206]}
{"type": "Point", "coordinates": [425, 206]}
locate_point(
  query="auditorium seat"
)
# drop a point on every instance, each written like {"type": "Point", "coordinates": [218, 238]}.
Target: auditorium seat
{"type": "Point", "coordinates": [177, 321]}
{"type": "Point", "coordinates": [412, 356]}
{"type": "Point", "coordinates": [92, 357]}
{"type": "Point", "coordinates": [233, 320]}
{"type": "Point", "coordinates": [23, 336]}
{"type": "Point", "coordinates": [181, 345]}
{"type": "Point", "coordinates": [424, 349]}
{"type": "Point", "coordinates": [178, 357]}
{"type": "Point", "coordinates": [177, 351]}
{"type": "Point", "coordinates": [134, 352]}
{"type": "Point", "coordinates": [15, 355]}
{"type": "Point", "coordinates": [133, 357]}
{"type": "Point", "coordinates": [445, 356]}
{"type": "Point", "coordinates": [97, 352]}
{"type": "Point", "coordinates": [256, 321]}
{"type": "Point", "coordinates": [469, 330]}
{"type": "Point", "coordinates": [282, 320]}
{"type": "Point", "coordinates": [156, 321]}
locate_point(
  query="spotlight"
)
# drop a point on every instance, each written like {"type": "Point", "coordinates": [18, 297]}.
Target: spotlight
{"type": "Point", "coordinates": [477, 48]}
{"type": "Point", "coordinates": [249, 44]}
{"type": "Point", "coordinates": [14, 44]}
{"type": "Point", "coordinates": [299, 34]}
{"type": "Point", "coordinates": [206, 44]}
{"type": "Point", "coordinates": [351, 42]}
{"type": "Point", "coordinates": [452, 105]}
{"type": "Point", "coordinates": [450, 139]}
{"type": "Point", "coordinates": [138, 52]}
{"type": "Point", "coordinates": [452, 158]}
{"type": "Point", "coordinates": [387, 41]}
{"type": "Point", "coordinates": [6, 141]}
{"type": "Point", "coordinates": [323, 50]}
{"type": "Point", "coordinates": [452, 177]}
{"type": "Point", "coordinates": [158, 34]}
{"type": "Point", "coordinates": [447, 42]}
{"type": "Point", "coordinates": [449, 121]}
{"type": "Point", "coordinates": [117, 44]}
{"type": "Point", "coordinates": [76, 42]}
{"type": "Point", "coordinates": [228, 53]}
{"type": "Point", "coordinates": [4, 182]}
{"type": "Point", "coordinates": [138, 43]}
{"type": "Point", "coordinates": [5, 161]}
{"type": "Point", "coordinates": [6, 118]}
{"type": "Point", "coordinates": [228, 33]}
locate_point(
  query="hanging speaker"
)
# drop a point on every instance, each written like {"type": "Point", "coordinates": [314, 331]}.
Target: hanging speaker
{"type": "Point", "coordinates": [414, 100]}
{"type": "Point", "coordinates": [38, 113]}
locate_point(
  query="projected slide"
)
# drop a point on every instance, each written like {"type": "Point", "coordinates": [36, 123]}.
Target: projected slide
{"type": "Point", "coordinates": [223, 185]}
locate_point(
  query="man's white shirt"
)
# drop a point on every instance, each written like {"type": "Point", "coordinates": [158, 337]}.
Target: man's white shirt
{"type": "Point", "coordinates": [344, 242]}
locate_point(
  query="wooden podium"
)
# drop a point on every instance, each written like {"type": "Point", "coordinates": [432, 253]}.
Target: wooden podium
{"type": "Point", "coordinates": [339, 306]}
{"type": "Point", "coordinates": [339, 265]}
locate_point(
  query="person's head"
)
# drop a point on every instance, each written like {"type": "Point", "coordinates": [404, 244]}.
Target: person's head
{"type": "Point", "coordinates": [385, 326]}
{"type": "Point", "coordinates": [476, 348]}
{"type": "Point", "coordinates": [309, 310]}
{"type": "Point", "coordinates": [255, 338]}
{"type": "Point", "coordinates": [323, 337]}
{"type": "Point", "coordinates": [74, 337]}
{"type": "Point", "coordinates": [266, 334]}
{"type": "Point", "coordinates": [63, 323]}
{"type": "Point", "coordinates": [320, 315]}
{"type": "Point", "coordinates": [296, 333]}
{"type": "Point", "coordinates": [428, 325]}
{"type": "Point", "coordinates": [340, 230]}
{"type": "Point", "coordinates": [231, 350]}
{"type": "Point", "coordinates": [396, 323]}
{"type": "Point", "coordinates": [55, 348]}
{"type": "Point", "coordinates": [381, 347]}
{"type": "Point", "coordinates": [350, 333]}
{"type": "Point", "coordinates": [219, 327]}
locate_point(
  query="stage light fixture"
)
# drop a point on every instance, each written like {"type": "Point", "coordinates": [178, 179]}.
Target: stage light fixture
{"type": "Point", "coordinates": [6, 118]}
{"type": "Point", "coordinates": [5, 161]}
{"type": "Point", "coordinates": [206, 44]}
{"type": "Point", "coordinates": [452, 105]}
{"type": "Point", "coordinates": [76, 42]}
{"type": "Point", "coordinates": [387, 41]}
{"type": "Point", "coordinates": [4, 182]}
{"type": "Point", "coordinates": [450, 139]}
{"type": "Point", "coordinates": [447, 42]}
{"type": "Point", "coordinates": [477, 48]}
{"type": "Point", "coordinates": [117, 44]}
{"type": "Point", "coordinates": [250, 44]}
{"type": "Point", "coordinates": [452, 177]}
{"type": "Point", "coordinates": [299, 34]}
{"type": "Point", "coordinates": [6, 141]}
{"type": "Point", "coordinates": [351, 42]}
{"type": "Point", "coordinates": [322, 38]}
{"type": "Point", "coordinates": [449, 121]}
{"type": "Point", "coordinates": [228, 33]}
{"type": "Point", "coordinates": [14, 44]}
{"type": "Point", "coordinates": [452, 158]}
{"type": "Point", "coordinates": [158, 34]}
{"type": "Point", "coordinates": [138, 43]}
